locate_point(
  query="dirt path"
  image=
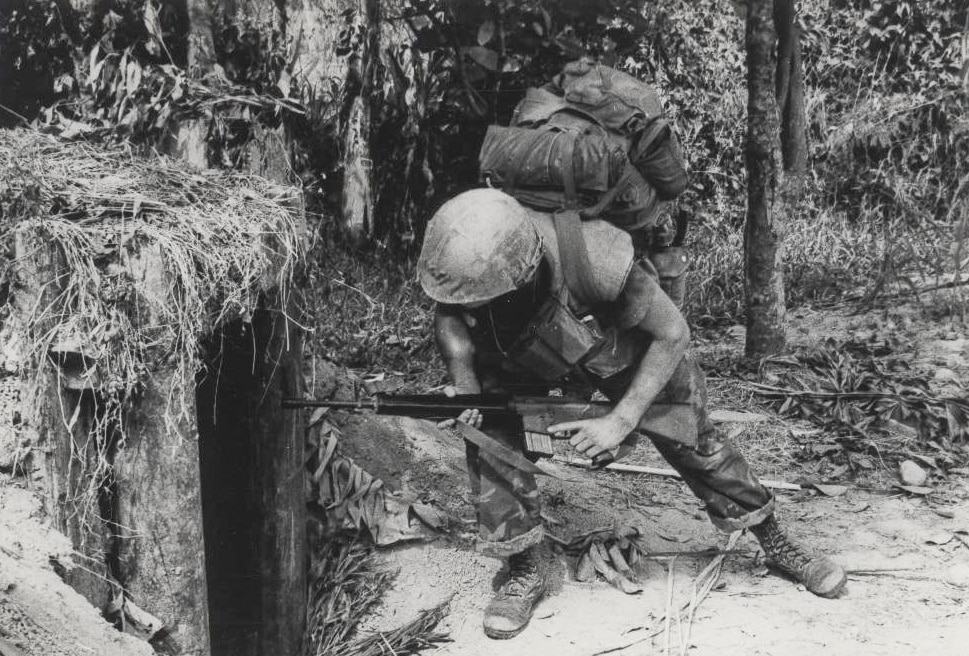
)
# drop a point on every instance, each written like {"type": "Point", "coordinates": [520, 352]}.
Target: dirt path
{"type": "Point", "coordinates": [917, 603]}
{"type": "Point", "coordinates": [39, 614]}
{"type": "Point", "coordinates": [908, 555]}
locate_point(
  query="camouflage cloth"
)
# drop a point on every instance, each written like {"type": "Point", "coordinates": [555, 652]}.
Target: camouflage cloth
{"type": "Point", "coordinates": [507, 499]}
{"type": "Point", "coordinates": [508, 502]}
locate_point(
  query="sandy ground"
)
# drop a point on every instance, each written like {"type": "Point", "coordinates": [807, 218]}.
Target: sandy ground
{"type": "Point", "coordinates": [39, 614]}
{"type": "Point", "coordinates": [908, 556]}
{"type": "Point", "coordinates": [910, 595]}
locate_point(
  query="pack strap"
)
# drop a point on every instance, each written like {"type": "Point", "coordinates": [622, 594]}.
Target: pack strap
{"type": "Point", "coordinates": [568, 165]}
{"type": "Point", "coordinates": [574, 256]}
{"type": "Point", "coordinates": [494, 448]}
{"type": "Point", "coordinates": [508, 186]}
{"type": "Point", "coordinates": [568, 172]}
{"type": "Point", "coordinates": [607, 198]}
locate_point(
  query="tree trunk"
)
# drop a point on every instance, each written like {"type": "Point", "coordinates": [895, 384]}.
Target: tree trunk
{"type": "Point", "coordinates": [161, 547]}
{"type": "Point", "coordinates": [188, 142]}
{"type": "Point", "coordinates": [766, 205]}
{"type": "Point", "coordinates": [314, 28]}
{"type": "Point", "coordinates": [56, 423]}
{"type": "Point", "coordinates": [358, 203]}
{"type": "Point", "coordinates": [789, 81]}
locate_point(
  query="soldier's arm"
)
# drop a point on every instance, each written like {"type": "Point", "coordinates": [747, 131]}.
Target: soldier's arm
{"type": "Point", "coordinates": [456, 349]}
{"type": "Point", "coordinates": [670, 336]}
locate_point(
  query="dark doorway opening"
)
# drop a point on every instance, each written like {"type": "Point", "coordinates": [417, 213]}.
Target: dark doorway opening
{"type": "Point", "coordinates": [253, 501]}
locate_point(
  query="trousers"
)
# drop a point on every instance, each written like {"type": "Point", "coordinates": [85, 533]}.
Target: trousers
{"type": "Point", "coordinates": [508, 500]}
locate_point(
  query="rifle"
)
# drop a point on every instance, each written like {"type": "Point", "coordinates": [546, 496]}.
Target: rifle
{"type": "Point", "coordinates": [674, 421]}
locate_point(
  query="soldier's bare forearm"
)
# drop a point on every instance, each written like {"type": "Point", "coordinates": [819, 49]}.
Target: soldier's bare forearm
{"type": "Point", "coordinates": [456, 348]}
{"type": "Point", "coordinates": [670, 339]}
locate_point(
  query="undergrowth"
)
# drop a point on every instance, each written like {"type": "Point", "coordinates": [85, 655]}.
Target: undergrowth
{"type": "Point", "coordinates": [372, 316]}
{"type": "Point", "coordinates": [829, 257]}
{"type": "Point", "coordinates": [369, 313]}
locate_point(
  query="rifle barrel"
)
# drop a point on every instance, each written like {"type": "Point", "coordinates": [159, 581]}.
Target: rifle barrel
{"type": "Point", "coordinates": [438, 405]}
{"type": "Point", "coordinates": [292, 404]}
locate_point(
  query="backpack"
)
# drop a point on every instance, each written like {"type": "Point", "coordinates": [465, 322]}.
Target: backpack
{"type": "Point", "coordinates": [593, 140]}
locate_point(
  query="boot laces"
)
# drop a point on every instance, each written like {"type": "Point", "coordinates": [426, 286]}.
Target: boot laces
{"type": "Point", "coordinates": [784, 552]}
{"type": "Point", "coordinates": [522, 571]}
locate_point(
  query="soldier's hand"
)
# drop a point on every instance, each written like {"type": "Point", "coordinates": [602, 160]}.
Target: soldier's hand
{"type": "Point", "coordinates": [471, 416]}
{"type": "Point", "coordinates": [591, 437]}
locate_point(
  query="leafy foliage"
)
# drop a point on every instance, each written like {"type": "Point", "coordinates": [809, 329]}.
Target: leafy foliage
{"type": "Point", "coordinates": [35, 57]}
{"type": "Point", "coordinates": [859, 391]}
{"type": "Point", "coordinates": [467, 65]}
{"type": "Point", "coordinates": [885, 88]}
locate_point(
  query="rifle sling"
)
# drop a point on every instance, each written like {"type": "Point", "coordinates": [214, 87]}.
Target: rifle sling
{"type": "Point", "coordinates": [493, 447]}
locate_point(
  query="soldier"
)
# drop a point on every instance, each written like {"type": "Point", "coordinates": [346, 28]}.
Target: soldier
{"type": "Point", "coordinates": [508, 311]}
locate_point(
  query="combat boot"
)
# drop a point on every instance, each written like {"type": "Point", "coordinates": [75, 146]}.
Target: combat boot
{"type": "Point", "coordinates": [818, 574]}
{"type": "Point", "coordinates": [511, 607]}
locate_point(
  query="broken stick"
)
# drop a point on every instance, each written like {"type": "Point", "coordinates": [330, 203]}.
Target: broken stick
{"type": "Point", "coordinates": [656, 471]}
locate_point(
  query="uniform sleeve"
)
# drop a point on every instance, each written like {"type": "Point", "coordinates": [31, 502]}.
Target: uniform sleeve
{"type": "Point", "coordinates": [637, 295]}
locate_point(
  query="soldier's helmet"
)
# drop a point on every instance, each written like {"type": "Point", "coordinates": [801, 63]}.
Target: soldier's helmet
{"type": "Point", "coordinates": [478, 246]}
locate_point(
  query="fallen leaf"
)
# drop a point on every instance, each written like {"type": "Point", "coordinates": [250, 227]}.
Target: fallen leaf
{"type": "Point", "coordinates": [926, 459]}
{"type": "Point", "coordinates": [825, 449]}
{"type": "Point", "coordinates": [317, 416]}
{"type": "Point", "coordinates": [830, 490]}
{"type": "Point", "coordinates": [838, 471]}
{"type": "Point", "coordinates": [916, 489]}
{"type": "Point", "coordinates": [668, 538]}
{"type": "Point", "coordinates": [940, 538]}
{"type": "Point", "coordinates": [948, 514]}
{"type": "Point", "coordinates": [430, 515]}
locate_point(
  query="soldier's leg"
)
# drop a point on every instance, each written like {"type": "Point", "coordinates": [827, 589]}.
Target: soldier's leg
{"type": "Point", "coordinates": [507, 499]}
{"type": "Point", "coordinates": [719, 475]}
{"type": "Point", "coordinates": [713, 469]}
{"type": "Point", "coordinates": [509, 526]}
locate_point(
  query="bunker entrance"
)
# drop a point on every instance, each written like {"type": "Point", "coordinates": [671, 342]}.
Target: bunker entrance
{"type": "Point", "coordinates": [252, 490]}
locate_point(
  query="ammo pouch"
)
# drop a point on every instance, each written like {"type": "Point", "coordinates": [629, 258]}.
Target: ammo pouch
{"type": "Point", "coordinates": [671, 263]}
{"type": "Point", "coordinates": [556, 341]}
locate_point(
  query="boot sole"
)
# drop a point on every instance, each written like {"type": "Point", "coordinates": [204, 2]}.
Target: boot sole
{"type": "Point", "coordinates": [826, 594]}
{"type": "Point", "coordinates": [502, 634]}
{"type": "Point", "coordinates": [834, 591]}
{"type": "Point", "coordinates": [496, 634]}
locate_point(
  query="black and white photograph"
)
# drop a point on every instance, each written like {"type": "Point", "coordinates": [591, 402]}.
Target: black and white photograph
{"type": "Point", "coordinates": [484, 328]}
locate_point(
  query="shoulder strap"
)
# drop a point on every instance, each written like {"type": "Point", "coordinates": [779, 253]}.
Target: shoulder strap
{"type": "Point", "coordinates": [508, 185]}
{"type": "Point", "coordinates": [607, 198]}
{"type": "Point", "coordinates": [568, 165]}
{"type": "Point", "coordinates": [574, 256]}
